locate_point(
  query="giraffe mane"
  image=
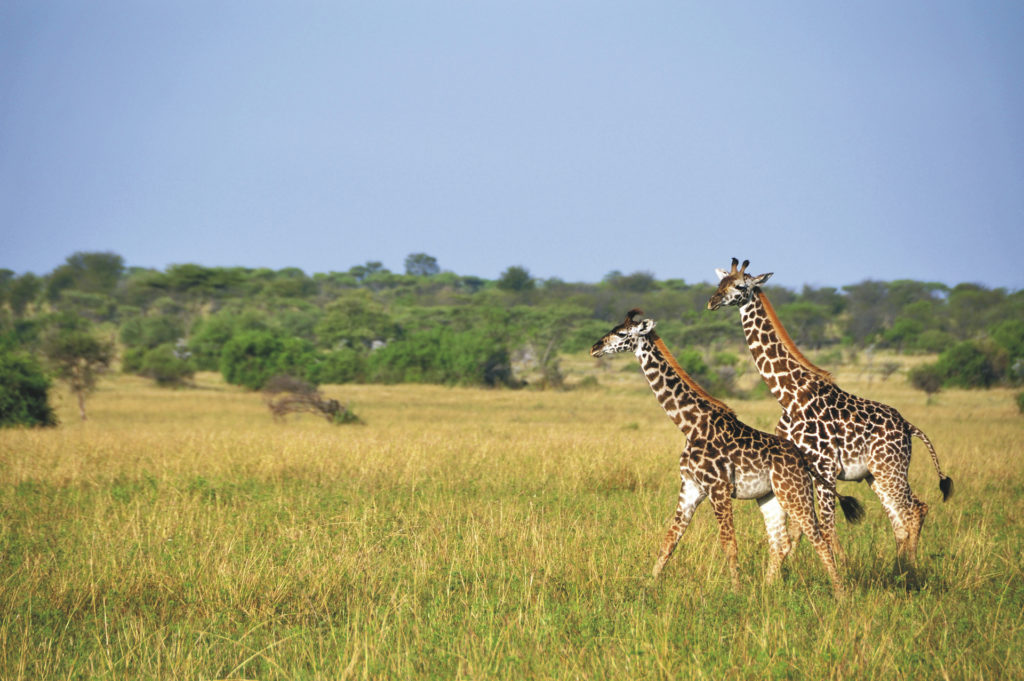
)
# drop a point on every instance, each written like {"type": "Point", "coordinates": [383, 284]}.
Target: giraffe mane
{"type": "Point", "coordinates": [685, 377]}
{"type": "Point", "coordinates": [783, 335]}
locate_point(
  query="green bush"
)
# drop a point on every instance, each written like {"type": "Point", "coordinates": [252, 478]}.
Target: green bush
{"type": "Point", "coordinates": [23, 389]}
{"type": "Point", "coordinates": [970, 365]}
{"type": "Point", "coordinates": [718, 381]}
{"type": "Point", "coordinates": [165, 365]}
{"type": "Point", "coordinates": [149, 332]}
{"type": "Point", "coordinates": [297, 357]}
{"type": "Point", "coordinates": [934, 340]}
{"type": "Point", "coordinates": [903, 333]}
{"type": "Point", "coordinates": [927, 377]}
{"type": "Point", "coordinates": [250, 359]}
{"type": "Point", "coordinates": [131, 360]}
{"type": "Point", "coordinates": [1020, 402]}
{"type": "Point", "coordinates": [441, 355]}
{"type": "Point", "coordinates": [340, 366]}
{"type": "Point", "coordinates": [210, 335]}
{"type": "Point", "coordinates": [1009, 335]}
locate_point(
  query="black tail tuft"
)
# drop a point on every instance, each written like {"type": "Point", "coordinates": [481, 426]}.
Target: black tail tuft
{"type": "Point", "coordinates": [946, 485]}
{"type": "Point", "coordinates": [852, 509]}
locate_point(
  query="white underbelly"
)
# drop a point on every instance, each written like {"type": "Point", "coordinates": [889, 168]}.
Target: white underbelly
{"type": "Point", "coordinates": [752, 485]}
{"type": "Point", "coordinates": [856, 470]}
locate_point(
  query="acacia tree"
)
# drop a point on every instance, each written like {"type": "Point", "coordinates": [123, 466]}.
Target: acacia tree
{"type": "Point", "coordinates": [927, 378]}
{"type": "Point", "coordinates": [22, 291]}
{"type": "Point", "coordinates": [516, 278]}
{"type": "Point", "coordinates": [545, 329]}
{"type": "Point", "coordinates": [421, 265]}
{"type": "Point", "coordinates": [77, 356]}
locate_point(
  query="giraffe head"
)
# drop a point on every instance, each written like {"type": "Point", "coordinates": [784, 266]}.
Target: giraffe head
{"type": "Point", "coordinates": [736, 287]}
{"type": "Point", "coordinates": [623, 337]}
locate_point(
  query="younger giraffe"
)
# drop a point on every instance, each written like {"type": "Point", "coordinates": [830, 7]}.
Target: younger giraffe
{"type": "Point", "coordinates": [845, 436]}
{"type": "Point", "coordinates": [725, 458]}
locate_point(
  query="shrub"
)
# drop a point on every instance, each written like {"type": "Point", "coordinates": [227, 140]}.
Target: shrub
{"type": "Point", "coordinates": [284, 394]}
{"type": "Point", "coordinates": [210, 335]}
{"type": "Point", "coordinates": [969, 365]}
{"type": "Point", "coordinates": [725, 359]}
{"type": "Point", "coordinates": [717, 381]}
{"type": "Point", "coordinates": [344, 365]}
{"type": "Point", "coordinates": [150, 332]}
{"type": "Point", "coordinates": [441, 355]}
{"type": "Point", "coordinates": [904, 332]}
{"type": "Point", "coordinates": [23, 389]}
{"type": "Point", "coordinates": [165, 365]}
{"type": "Point", "coordinates": [927, 377]}
{"type": "Point", "coordinates": [1009, 335]}
{"type": "Point", "coordinates": [1020, 402]}
{"type": "Point", "coordinates": [131, 360]}
{"type": "Point", "coordinates": [250, 359]}
{"type": "Point", "coordinates": [934, 340]}
{"type": "Point", "coordinates": [297, 357]}
{"type": "Point", "coordinates": [354, 320]}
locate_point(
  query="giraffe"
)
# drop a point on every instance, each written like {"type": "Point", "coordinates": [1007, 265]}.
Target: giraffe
{"type": "Point", "coordinates": [845, 436]}
{"type": "Point", "coordinates": [725, 458]}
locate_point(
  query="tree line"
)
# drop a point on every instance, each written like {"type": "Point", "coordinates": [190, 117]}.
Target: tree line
{"type": "Point", "coordinates": [369, 324]}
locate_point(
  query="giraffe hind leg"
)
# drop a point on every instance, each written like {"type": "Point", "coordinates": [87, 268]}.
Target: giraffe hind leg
{"type": "Point", "coordinates": [796, 495]}
{"type": "Point", "coordinates": [905, 512]}
{"type": "Point", "coordinates": [779, 543]}
{"type": "Point", "coordinates": [827, 522]}
{"type": "Point", "coordinates": [721, 502]}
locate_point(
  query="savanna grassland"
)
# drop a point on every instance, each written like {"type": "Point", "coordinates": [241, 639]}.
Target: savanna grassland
{"type": "Point", "coordinates": [468, 533]}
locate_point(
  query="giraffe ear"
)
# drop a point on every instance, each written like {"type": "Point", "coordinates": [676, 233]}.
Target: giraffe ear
{"type": "Point", "coordinates": [645, 327]}
{"type": "Point", "coordinates": [761, 278]}
{"type": "Point", "coordinates": [722, 274]}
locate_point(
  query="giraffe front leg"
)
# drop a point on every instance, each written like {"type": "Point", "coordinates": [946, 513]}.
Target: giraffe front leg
{"type": "Point", "coordinates": [690, 496]}
{"type": "Point", "coordinates": [721, 503]}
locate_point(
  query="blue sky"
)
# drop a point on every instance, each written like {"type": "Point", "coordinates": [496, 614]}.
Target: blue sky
{"type": "Point", "coordinates": [827, 142]}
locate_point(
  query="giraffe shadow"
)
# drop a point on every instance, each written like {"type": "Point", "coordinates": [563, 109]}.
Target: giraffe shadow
{"type": "Point", "coordinates": [887, 574]}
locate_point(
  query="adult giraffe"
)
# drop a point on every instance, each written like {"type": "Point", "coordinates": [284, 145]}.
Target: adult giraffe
{"type": "Point", "coordinates": [724, 459]}
{"type": "Point", "coordinates": [847, 437]}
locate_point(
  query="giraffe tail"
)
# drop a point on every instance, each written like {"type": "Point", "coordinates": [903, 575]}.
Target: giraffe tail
{"type": "Point", "coordinates": [945, 482]}
{"type": "Point", "coordinates": [852, 509]}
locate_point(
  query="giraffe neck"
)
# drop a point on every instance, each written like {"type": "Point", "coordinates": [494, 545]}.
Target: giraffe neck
{"type": "Point", "coordinates": [685, 402]}
{"type": "Point", "coordinates": [782, 366]}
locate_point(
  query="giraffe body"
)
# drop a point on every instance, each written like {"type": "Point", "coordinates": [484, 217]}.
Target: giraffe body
{"type": "Point", "coordinates": [723, 458]}
{"type": "Point", "coordinates": [845, 437]}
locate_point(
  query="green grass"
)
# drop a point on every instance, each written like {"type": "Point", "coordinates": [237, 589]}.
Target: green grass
{"type": "Point", "coordinates": [474, 534]}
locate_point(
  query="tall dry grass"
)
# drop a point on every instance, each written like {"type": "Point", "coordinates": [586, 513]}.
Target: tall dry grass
{"type": "Point", "coordinates": [474, 534]}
